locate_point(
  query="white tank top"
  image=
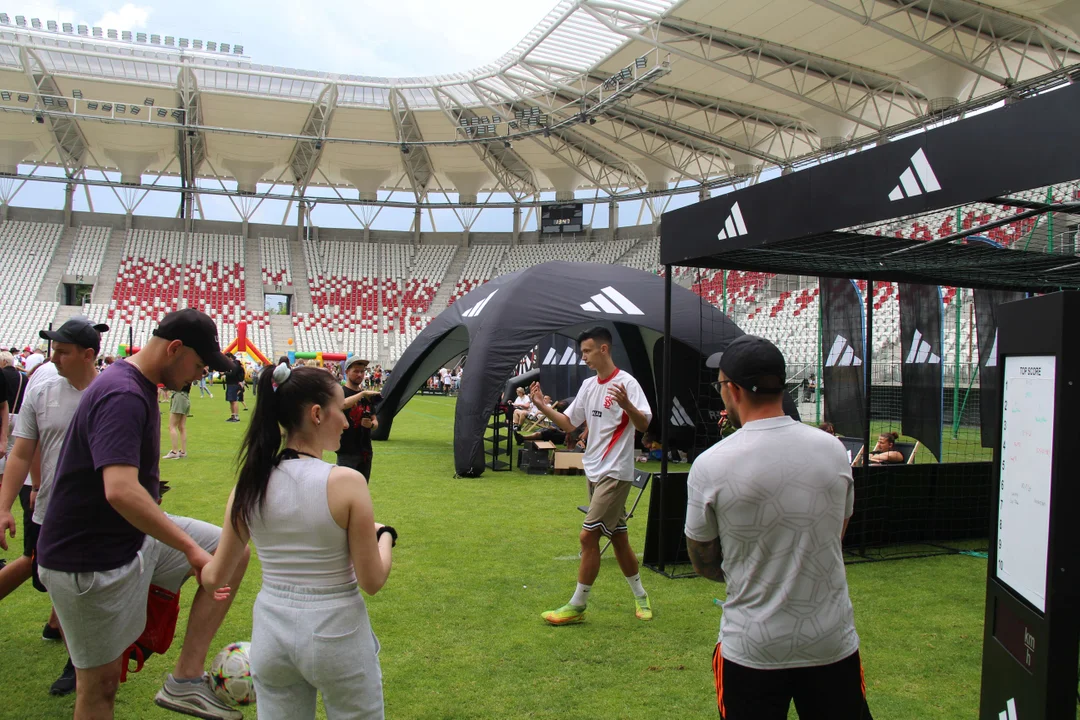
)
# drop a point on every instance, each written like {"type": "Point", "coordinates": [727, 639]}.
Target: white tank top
{"type": "Point", "coordinates": [296, 537]}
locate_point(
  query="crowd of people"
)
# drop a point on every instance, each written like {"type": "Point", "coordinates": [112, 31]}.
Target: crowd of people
{"type": "Point", "coordinates": [82, 439]}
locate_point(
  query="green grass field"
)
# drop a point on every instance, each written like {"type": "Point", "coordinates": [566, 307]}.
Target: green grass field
{"type": "Point", "coordinates": [479, 559]}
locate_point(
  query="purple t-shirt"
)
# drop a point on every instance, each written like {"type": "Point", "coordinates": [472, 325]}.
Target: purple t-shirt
{"type": "Point", "coordinates": [117, 423]}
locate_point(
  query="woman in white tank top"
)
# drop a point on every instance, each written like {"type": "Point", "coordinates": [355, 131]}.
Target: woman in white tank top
{"type": "Point", "coordinates": [314, 529]}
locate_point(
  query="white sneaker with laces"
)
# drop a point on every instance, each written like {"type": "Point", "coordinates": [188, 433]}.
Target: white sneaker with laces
{"type": "Point", "coordinates": [171, 455]}
{"type": "Point", "coordinates": [195, 699]}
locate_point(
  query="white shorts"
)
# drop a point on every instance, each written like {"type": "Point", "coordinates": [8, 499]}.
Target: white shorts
{"type": "Point", "coordinates": [104, 612]}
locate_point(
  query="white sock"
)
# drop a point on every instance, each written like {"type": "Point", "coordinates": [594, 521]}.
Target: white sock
{"type": "Point", "coordinates": [581, 595]}
{"type": "Point", "coordinates": [635, 585]}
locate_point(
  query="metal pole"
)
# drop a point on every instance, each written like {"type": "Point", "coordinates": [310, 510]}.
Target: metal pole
{"type": "Point", "coordinates": [868, 380]}
{"type": "Point", "coordinates": [49, 346]}
{"type": "Point", "coordinates": [665, 407]}
{"type": "Point", "coordinates": [1049, 222]}
{"type": "Point", "coordinates": [957, 300]}
{"type": "Point", "coordinates": [723, 289]}
{"type": "Point", "coordinates": [820, 376]}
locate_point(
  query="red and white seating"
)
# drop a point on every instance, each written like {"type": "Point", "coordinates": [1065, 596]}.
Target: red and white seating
{"type": "Point", "coordinates": [276, 266]}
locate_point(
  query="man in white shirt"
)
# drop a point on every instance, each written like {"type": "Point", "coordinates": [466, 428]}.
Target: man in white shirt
{"type": "Point", "coordinates": [610, 403]}
{"type": "Point", "coordinates": [767, 508]}
{"type": "Point", "coordinates": [52, 396]}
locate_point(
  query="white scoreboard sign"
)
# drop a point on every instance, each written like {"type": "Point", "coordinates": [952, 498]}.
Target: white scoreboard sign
{"type": "Point", "coordinates": [1027, 446]}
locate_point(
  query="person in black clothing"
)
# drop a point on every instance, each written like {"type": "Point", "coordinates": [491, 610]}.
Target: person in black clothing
{"type": "Point", "coordinates": [355, 449]}
{"type": "Point", "coordinates": [233, 380]}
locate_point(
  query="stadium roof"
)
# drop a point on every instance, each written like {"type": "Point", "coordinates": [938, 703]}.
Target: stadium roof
{"type": "Point", "coordinates": [627, 97]}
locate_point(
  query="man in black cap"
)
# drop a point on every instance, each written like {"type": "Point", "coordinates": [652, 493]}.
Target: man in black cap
{"type": "Point", "coordinates": [355, 451]}
{"type": "Point", "coordinates": [773, 501]}
{"type": "Point", "coordinates": [45, 416]}
{"type": "Point", "coordinates": [105, 497]}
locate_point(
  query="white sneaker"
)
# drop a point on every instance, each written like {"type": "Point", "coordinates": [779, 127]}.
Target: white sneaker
{"type": "Point", "coordinates": [171, 455]}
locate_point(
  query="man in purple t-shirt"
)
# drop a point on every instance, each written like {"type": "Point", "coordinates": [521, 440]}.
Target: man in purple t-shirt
{"type": "Point", "coordinates": [105, 540]}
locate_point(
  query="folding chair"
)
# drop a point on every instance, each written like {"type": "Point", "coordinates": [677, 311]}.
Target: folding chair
{"type": "Point", "coordinates": [908, 450]}
{"type": "Point", "coordinates": [854, 447]}
{"type": "Point", "coordinates": [640, 481]}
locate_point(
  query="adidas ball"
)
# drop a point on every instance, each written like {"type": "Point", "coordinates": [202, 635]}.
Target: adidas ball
{"type": "Point", "coordinates": [230, 673]}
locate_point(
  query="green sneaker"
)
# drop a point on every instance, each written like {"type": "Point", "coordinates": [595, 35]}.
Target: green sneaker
{"type": "Point", "coordinates": [644, 608]}
{"type": "Point", "coordinates": [566, 615]}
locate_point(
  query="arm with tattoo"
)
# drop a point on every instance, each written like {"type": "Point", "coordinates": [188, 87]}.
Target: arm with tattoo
{"type": "Point", "coordinates": [706, 558]}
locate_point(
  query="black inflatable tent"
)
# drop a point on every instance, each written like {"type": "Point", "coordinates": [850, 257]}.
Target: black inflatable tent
{"type": "Point", "coordinates": [503, 320]}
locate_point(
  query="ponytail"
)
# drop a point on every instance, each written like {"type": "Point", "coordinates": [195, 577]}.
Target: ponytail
{"type": "Point", "coordinates": [280, 404]}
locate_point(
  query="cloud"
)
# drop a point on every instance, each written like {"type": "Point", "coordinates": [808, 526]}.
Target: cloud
{"type": "Point", "coordinates": [129, 17]}
{"type": "Point", "coordinates": [44, 10]}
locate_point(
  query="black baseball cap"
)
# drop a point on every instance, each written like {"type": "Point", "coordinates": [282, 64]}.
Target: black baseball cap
{"type": "Point", "coordinates": [79, 330]}
{"type": "Point", "coordinates": [198, 332]}
{"type": "Point", "coordinates": [753, 363]}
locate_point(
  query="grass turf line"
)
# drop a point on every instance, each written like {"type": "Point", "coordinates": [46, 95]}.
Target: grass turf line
{"type": "Point", "coordinates": [459, 620]}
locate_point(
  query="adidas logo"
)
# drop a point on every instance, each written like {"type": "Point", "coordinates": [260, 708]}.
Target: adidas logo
{"type": "Point", "coordinates": [478, 307]}
{"type": "Point", "coordinates": [842, 354]}
{"type": "Point", "coordinates": [569, 357]}
{"type": "Point", "coordinates": [679, 416]}
{"type": "Point", "coordinates": [992, 360]}
{"type": "Point", "coordinates": [908, 186]}
{"type": "Point", "coordinates": [611, 301]}
{"type": "Point", "coordinates": [920, 352]}
{"type": "Point", "coordinates": [734, 226]}
{"type": "Point", "coordinates": [1009, 713]}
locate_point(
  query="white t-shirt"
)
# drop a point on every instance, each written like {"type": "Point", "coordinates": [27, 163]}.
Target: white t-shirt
{"type": "Point", "coordinates": [610, 448]}
{"type": "Point", "coordinates": [522, 402]}
{"type": "Point", "coordinates": [776, 493]}
{"type": "Point", "coordinates": [47, 409]}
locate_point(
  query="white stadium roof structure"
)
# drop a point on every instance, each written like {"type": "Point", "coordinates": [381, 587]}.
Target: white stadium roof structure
{"type": "Point", "coordinates": [618, 99]}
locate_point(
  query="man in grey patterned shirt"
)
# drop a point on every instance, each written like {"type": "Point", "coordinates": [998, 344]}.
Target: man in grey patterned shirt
{"type": "Point", "coordinates": [773, 500]}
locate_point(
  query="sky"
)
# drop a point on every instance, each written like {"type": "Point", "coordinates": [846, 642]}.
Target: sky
{"type": "Point", "coordinates": [364, 37]}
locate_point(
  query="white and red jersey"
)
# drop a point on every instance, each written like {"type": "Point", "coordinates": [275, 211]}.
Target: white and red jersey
{"type": "Point", "coordinates": [610, 448]}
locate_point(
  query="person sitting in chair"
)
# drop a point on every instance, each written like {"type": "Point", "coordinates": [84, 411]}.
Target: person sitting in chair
{"type": "Point", "coordinates": [522, 405]}
{"type": "Point", "coordinates": [884, 452]}
{"type": "Point", "coordinates": [573, 440]}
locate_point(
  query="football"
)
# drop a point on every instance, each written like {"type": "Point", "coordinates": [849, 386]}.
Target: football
{"type": "Point", "coordinates": [230, 672]}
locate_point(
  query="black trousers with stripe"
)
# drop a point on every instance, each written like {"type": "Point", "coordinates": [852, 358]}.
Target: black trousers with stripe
{"type": "Point", "coordinates": [825, 692]}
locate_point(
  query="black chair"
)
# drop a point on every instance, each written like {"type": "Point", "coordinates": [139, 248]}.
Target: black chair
{"type": "Point", "coordinates": [640, 481]}
{"type": "Point", "coordinates": [855, 447]}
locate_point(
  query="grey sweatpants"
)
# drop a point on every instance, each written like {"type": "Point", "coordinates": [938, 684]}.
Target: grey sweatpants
{"type": "Point", "coordinates": [310, 640]}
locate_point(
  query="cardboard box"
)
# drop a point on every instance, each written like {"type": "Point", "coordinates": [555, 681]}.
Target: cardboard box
{"type": "Point", "coordinates": [569, 463]}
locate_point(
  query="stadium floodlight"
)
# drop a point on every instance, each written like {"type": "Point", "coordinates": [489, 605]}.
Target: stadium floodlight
{"type": "Point", "coordinates": [20, 20]}
{"type": "Point", "coordinates": [211, 46]}
{"type": "Point", "coordinates": [170, 40]}
{"type": "Point", "coordinates": [23, 97]}
{"type": "Point", "coordinates": [148, 102]}
{"type": "Point", "coordinates": [112, 34]}
{"type": "Point", "coordinates": [47, 99]}
{"type": "Point", "coordinates": [51, 25]}
{"type": "Point", "coordinates": [98, 32]}
{"type": "Point", "coordinates": [68, 28]}
{"type": "Point", "coordinates": [62, 102]}
{"type": "Point", "coordinates": [162, 112]}
{"type": "Point", "coordinates": [224, 47]}
{"type": "Point", "coordinates": [77, 94]}
{"type": "Point", "coordinates": [106, 107]}
{"type": "Point", "coordinates": [83, 30]}
{"type": "Point", "coordinates": [5, 19]}
{"type": "Point", "coordinates": [178, 114]}
{"type": "Point", "coordinates": [196, 44]}
{"type": "Point", "coordinates": [641, 62]}
{"type": "Point", "coordinates": [120, 107]}
{"type": "Point", "coordinates": [35, 23]}
{"type": "Point", "coordinates": [513, 124]}
{"type": "Point", "coordinates": [126, 35]}
{"type": "Point", "coordinates": [155, 39]}
{"type": "Point", "coordinates": [184, 42]}
{"type": "Point", "coordinates": [238, 49]}
{"type": "Point", "coordinates": [91, 105]}
{"type": "Point", "coordinates": [135, 109]}
{"type": "Point", "coordinates": [5, 95]}
{"type": "Point", "coordinates": [140, 37]}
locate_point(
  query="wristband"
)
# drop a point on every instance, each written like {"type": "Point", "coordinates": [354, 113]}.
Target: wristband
{"type": "Point", "coordinates": [387, 529]}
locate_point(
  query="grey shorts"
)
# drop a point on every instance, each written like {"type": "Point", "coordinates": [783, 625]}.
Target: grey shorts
{"type": "Point", "coordinates": [104, 612]}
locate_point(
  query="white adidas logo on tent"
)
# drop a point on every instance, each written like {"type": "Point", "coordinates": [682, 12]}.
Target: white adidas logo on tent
{"type": "Point", "coordinates": [609, 300]}
{"type": "Point", "coordinates": [569, 357]}
{"type": "Point", "coordinates": [1009, 713]}
{"type": "Point", "coordinates": [920, 351]}
{"type": "Point", "coordinates": [679, 416]}
{"type": "Point", "coordinates": [734, 226]}
{"type": "Point", "coordinates": [908, 186]}
{"type": "Point", "coordinates": [842, 354]}
{"type": "Point", "coordinates": [478, 307]}
{"type": "Point", "coordinates": [992, 360]}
